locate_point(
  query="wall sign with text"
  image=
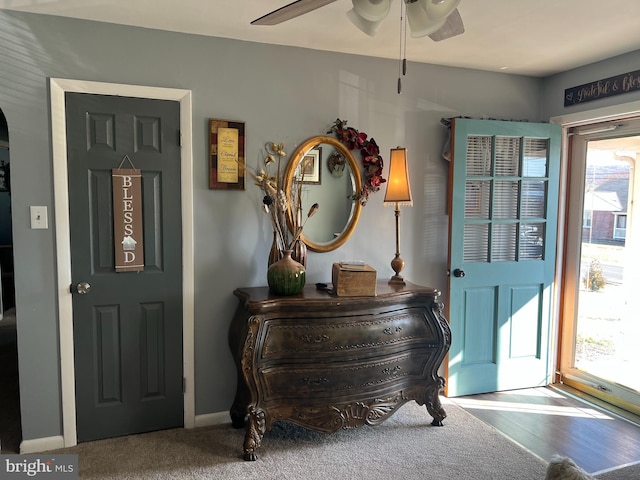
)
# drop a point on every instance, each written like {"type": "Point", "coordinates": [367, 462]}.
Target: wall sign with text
{"type": "Point", "coordinates": [226, 154]}
{"type": "Point", "coordinates": [608, 87]}
{"type": "Point", "coordinates": [127, 219]}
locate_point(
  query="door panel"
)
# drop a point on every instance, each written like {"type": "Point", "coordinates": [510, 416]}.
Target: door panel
{"type": "Point", "coordinates": [525, 324]}
{"type": "Point", "coordinates": [479, 305]}
{"type": "Point", "coordinates": [128, 327]}
{"type": "Point", "coordinates": [503, 214]}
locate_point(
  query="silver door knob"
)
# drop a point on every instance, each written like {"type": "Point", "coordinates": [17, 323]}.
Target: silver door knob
{"type": "Point", "coordinates": [83, 288]}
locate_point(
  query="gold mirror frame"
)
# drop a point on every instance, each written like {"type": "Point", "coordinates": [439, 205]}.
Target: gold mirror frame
{"type": "Point", "coordinates": [296, 157]}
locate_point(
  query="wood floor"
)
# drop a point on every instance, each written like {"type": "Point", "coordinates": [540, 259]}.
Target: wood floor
{"type": "Point", "coordinates": [548, 421]}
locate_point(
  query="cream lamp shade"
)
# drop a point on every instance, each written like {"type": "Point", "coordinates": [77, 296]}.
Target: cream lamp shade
{"type": "Point", "coordinates": [398, 187]}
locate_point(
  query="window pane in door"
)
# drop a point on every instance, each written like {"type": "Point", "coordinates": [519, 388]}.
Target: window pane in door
{"type": "Point", "coordinates": [507, 156]}
{"type": "Point", "coordinates": [479, 156]}
{"type": "Point", "coordinates": [476, 243]}
{"type": "Point", "coordinates": [477, 199]}
{"type": "Point", "coordinates": [506, 200]}
{"type": "Point", "coordinates": [535, 157]}
{"type": "Point", "coordinates": [503, 242]}
{"type": "Point", "coordinates": [533, 199]}
{"type": "Point", "coordinates": [531, 241]}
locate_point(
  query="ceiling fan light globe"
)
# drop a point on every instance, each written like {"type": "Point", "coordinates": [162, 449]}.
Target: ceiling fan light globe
{"type": "Point", "coordinates": [419, 23]}
{"type": "Point", "coordinates": [439, 9]}
{"type": "Point", "coordinates": [372, 10]}
{"type": "Point", "coordinates": [370, 28]}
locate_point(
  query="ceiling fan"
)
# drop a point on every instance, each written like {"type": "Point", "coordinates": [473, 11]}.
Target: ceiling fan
{"type": "Point", "coordinates": [439, 19]}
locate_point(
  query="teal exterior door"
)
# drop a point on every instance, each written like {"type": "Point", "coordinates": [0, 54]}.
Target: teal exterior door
{"type": "Point", "coordinates": [127, 326]}
{"type": "Point", "coordinates": [503, 223]}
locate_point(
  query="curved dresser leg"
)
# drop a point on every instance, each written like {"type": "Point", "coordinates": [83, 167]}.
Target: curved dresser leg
{"type": "Point", "coordinates": [434, 407]}
{"type": "Point", "coordinates": [253, 436]}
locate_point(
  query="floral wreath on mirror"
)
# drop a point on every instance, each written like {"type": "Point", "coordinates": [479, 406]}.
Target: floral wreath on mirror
{"type": "Point", "coordinates": [370, 152]}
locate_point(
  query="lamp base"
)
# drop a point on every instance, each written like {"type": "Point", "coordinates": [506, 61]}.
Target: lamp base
{"type": "Point", "coordinates": [397, 264]}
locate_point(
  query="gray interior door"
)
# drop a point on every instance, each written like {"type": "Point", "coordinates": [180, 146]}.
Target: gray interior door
{"type": "Point", "coordinates": [128, 326]}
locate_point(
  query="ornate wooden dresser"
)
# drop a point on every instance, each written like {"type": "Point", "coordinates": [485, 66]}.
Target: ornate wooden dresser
{"type": "Point", "coordinates": [327, 362]}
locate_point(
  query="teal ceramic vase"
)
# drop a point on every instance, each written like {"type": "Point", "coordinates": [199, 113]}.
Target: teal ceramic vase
{"type": "Point", "coordinates": [286, 276]}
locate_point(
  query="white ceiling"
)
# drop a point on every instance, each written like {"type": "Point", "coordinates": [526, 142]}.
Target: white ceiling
{"type": "Point", "coordinates": [528, 37]}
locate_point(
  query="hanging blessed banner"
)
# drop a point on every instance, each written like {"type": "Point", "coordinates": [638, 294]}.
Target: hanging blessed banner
{"type": "Point", "coordinates": [127, 219]}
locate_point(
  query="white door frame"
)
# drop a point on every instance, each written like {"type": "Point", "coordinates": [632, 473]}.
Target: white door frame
{"type": "Point", "coordinates": [58, 88]}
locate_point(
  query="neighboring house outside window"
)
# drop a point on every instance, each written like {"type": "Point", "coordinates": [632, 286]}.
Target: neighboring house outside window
{"type": "Point", "coordinates": [586, 219]}
{"type": "Point", "coordinates": [620, 226]}
{"type": "Point", "coordinates": [605, 206]}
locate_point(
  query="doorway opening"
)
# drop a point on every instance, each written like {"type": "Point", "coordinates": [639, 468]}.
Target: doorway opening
{"type": "Point", "coordinates": [7, 289]}
{"type": "Point", "coordinates": [10, 424]}
{"type": "Point", "coordinates": [602, 256]}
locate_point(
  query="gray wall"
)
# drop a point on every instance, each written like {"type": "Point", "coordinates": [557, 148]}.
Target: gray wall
{"type": "Point", "coordinates": [283, 94]}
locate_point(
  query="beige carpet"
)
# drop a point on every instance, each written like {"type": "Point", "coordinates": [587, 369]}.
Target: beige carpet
{"type": "Point", "coordinates": [405, 447]}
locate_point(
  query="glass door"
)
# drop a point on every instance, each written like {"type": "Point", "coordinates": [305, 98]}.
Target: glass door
{"type": "Point", "coordinates": [599, 352]}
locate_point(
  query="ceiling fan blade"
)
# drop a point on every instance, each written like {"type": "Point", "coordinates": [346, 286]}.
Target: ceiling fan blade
{"type": "Point", "coordinates": [452, 27]}
{"type": "Point", "coordinates": [292, 10]}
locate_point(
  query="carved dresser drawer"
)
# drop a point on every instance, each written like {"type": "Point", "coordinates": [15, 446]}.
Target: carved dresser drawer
{"type": "Point", "coordinates": [345, 336]}
{"type": "Point", "coordinates": [304, 382]}
{"type": "Point", "coordinates": [328, 362]}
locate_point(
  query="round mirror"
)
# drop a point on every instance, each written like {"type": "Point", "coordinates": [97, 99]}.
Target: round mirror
{"type": "Point", "coordinates": [323, 171]}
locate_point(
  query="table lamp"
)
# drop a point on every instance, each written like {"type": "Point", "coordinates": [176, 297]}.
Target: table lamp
{"type": "Point", "coordinates": [398, 193]}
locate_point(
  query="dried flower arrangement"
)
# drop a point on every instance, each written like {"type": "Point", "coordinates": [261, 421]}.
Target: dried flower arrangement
{"type": "Point", "coordinates": [369, 152]}
{"type": "Point", "coordinates": [285, 213]}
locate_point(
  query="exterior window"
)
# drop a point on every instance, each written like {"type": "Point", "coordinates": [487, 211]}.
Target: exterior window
{"type": "Point", "coordinates": [586, 219]}
{"type": "Point", "coordinates": [620, 227]}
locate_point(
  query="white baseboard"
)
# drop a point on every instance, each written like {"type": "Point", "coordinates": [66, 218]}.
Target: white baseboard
{"type": "Point", "coordinates": [53, 443]}
{"type": "Point", "coordinates": [42, 444]}
{"type": "Point", "coordinates": [209, 419]}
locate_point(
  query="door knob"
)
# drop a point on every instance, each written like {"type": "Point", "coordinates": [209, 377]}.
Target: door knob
{"type": "Point", "coordinates": [458, 273]}
{"type": "Point", "coordinates": [83, 288]}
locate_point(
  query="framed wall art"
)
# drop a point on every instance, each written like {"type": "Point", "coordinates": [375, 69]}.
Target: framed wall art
{"type": "Point", "coordinates": [226, 154]}
{"type": "Point", "coordinates": [309, 170]}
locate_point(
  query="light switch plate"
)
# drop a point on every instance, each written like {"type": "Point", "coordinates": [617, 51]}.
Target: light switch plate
{"type": "Point", "coordinates": [39, 218]}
